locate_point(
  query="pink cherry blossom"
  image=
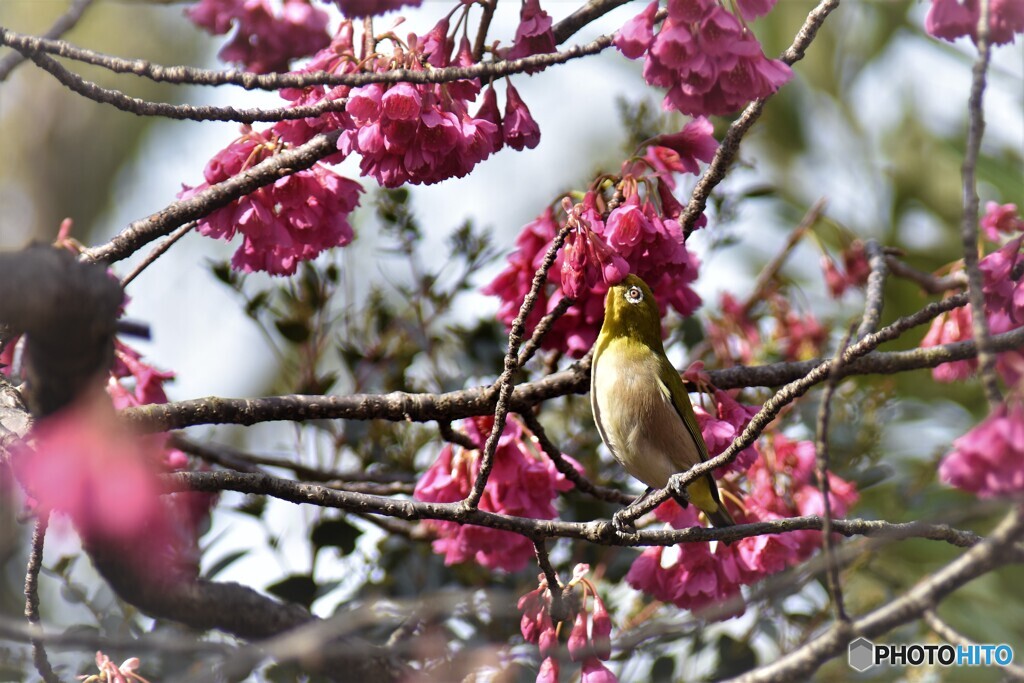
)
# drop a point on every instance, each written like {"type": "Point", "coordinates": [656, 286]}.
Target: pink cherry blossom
{"type": "Point", "coordinates": [637, 232]}
{"type": "Point", "coordinates": [710, 61]}
{"type": "Point", "coordinates": [1001, 218]}
{"type": "Point", "coordinates": [1003, 287]}
{"type": "Point", "coordinates": [634, 38]}
{"type": "Point", "coordinates": [595, 672]}
{"type": "Point", "coordinates": [548, 671]}
{"type": "Point", "coordinates": [519, 128]}
{"type": "Point", "coordinates": [721, 428]}
{"type": "Point", "coordinates": [522, 483]}
{"type": "Point", "coordinates": [989, 459]}
{"type": "Point", "coordinates": [370, 8]}
{"type": "Point", "coordinates": [264, 41]}
{"type": "Point", "coordinates": [534, 35]}
{"type": "Point", "coordinates": [950, 19]}
{"type": "Point", "coordinates": [291, 220]}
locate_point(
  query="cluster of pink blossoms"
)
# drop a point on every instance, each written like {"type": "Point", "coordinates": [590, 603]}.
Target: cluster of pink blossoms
{"type": "Point", "coordinates": [522, 483]}
{"type": "Point", "coordinates": [950, 19]}
{"type": "Point", "coordinates": [1003, 287]}
{"type": "Point", "coordinates": [641, 235]}
{"type": "Point", "coordinates": [708, 59]}
{"type": "Point", "coordinates": [412, 133]}
{"type": "Point", "coordinates": [694, 576]}
{"type": "Point", "coordinates": [291, 220]}
{"type": "Point", "coordinates": [264, 41]}
{"type": "Point", "coordinates": [989, 459]}
{"type": "Point", "coordinates": [589, 640]}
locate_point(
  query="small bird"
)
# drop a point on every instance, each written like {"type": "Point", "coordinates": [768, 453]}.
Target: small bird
{"type": "Point", "coordinates": [640, 403]}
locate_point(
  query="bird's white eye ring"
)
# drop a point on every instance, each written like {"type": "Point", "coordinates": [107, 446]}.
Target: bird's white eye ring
{"type": "Point", "coordinates": [634, 295]}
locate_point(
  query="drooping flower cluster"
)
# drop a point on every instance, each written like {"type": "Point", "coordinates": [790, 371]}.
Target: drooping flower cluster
{"type": "Point", "coordinates": [372, 8]}
{"type": "Point", "coordinates": [291, 220]}
{"type": "Point", "coordinates": [950, 19]}
{"type": "Point", "coordinates": [696, 576]}
{"type": "Point", "coordinates": [534, 35]}
{"type": "Point", "coordinates": [989, 459]}
{"type": "Point", "coordinates": [642, 233]}
{"type": "Point", "coordinates": [1003, 287]}
{"type": "Point", "coordinates": [589, 640]}
{"type": "Point", "coordinates": [742, 333]}
{"type": "Point", "coordinates": [264, 41]}
{"type": "Point", "coordinates": [522, 483]}
{"type": "Point", "coordinates": [708, 59]}
{"type": "Point", "coordinates": [411, 133]}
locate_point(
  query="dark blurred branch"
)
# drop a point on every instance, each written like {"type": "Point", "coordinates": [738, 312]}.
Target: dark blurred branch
{"type": "Point", "coordinates": [987, 555]}
{"type": "Point", "coordinates": [951, 635]}
{"type": "Point", "coordinates": [932, 284]}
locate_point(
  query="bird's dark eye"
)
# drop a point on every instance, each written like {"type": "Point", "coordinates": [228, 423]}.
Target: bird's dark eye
{"type": "Point", "coordinates": [634, 295]}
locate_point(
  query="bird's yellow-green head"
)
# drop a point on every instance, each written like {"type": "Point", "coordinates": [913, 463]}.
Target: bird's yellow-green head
{"type": "Point", "coordinates": [631, 311]}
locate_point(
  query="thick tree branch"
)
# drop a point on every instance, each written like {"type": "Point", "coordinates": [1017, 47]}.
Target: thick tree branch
{"type": "Point", "coordinates": [401, 406]}
{"type": "Point", "coordinates": [33, 45]}
{"type": "Point", "coordinates": [165, 221]}
{"type": "Point", "coordinates": [598, 532]}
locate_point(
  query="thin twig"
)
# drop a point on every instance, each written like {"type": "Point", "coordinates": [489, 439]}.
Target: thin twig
{"type": "Point", "coordinates": [481, 32]}
{"type": "Point", "coordinates": [951, 635]}
{"type": "Point", "coordinates": [930, 283]}
{"type": "Point", "coordinates": [33, 45]}
{"type": "Point", "coordinates": [558, 611]}
{"type": "Point", "coordinates": [969, 224]}
{"type": "Point", "coordinates": [451, 435]}
{"type": "Point", "coordinates": [771, 270]}
{"type": "Point", "coordinates": [800, 664]}
{"type": "Point", "coordinates": [62, 25]}
{"type": "Point", "coordinates": [35, 563]}
{"type": "Point", "coordinates": [822, 473]}
{"type": "Point", "coordinates": [874, 299]}
{"type": "Point", "coordinates": [581, 483]}
{"type": "Point", "coordinates": [505, 384]}
{"type": "Point", "coordinates": [157, 252]}
{"type": "Point", "coordinates": [533, 343]}
{"type": "Point", "coordinates": [599, 532]}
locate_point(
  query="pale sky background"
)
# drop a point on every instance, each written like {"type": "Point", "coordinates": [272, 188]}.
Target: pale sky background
{"type": "Point", "coordinates": [201, 334]}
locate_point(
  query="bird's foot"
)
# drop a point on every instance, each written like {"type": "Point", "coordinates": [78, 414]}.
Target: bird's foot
{"type": "Point", "coordinates": [623, 523]}
{"type": "Point", "coordinates": [679, 493]}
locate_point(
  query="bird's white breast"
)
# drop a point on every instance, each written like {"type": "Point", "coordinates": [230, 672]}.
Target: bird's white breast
{"type": "Point", "coordinates": [636, 417]}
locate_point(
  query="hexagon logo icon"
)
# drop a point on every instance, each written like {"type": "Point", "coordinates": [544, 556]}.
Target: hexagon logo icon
{"type": "Point", "coordinates": [862, 654]}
